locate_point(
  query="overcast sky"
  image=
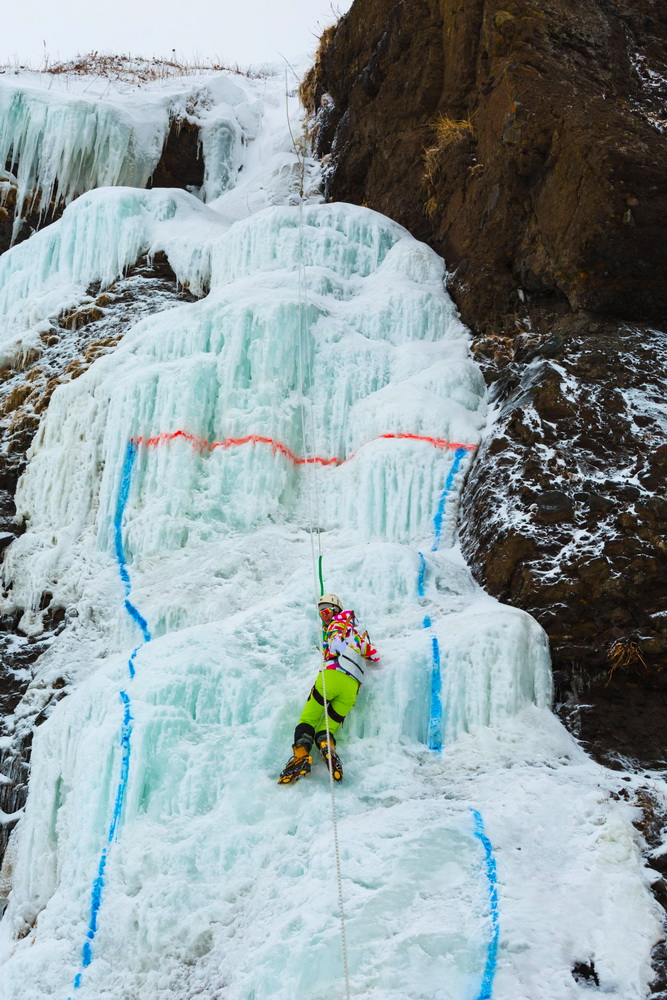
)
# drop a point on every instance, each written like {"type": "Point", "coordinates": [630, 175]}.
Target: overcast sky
{"type": "Point", "coordinates": [250, 32]}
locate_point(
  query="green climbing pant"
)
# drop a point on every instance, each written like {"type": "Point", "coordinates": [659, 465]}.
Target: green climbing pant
{"type": "Point", "coordinates": [341, 696]}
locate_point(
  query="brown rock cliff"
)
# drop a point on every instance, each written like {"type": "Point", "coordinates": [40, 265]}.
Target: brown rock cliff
{"type": "Point", "coordinates": [525, 142]}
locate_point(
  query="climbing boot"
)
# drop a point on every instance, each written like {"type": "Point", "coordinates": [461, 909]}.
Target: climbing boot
{"type": "Point", "coordinates": [299, 764]}
{"type": "Point", "coordinates": [327, 748]}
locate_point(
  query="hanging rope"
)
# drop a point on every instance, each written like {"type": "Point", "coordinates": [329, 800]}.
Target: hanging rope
{"type": "Point", "coordinates": [317, 563]}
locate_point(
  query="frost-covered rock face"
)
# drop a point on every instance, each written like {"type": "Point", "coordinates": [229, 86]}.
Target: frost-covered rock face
{"type": "Point", "coordinates": [318, 395]}
{"type": "Point", "coordinates": [566, 517]}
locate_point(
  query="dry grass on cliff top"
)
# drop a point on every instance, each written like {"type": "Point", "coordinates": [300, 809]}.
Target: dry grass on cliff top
{"type": "Point", "coordinates": [308, 85]}
{"type": "Point", "coordinates": [445, 132]}
{"type": "Point", "coordinates": [132, 69]}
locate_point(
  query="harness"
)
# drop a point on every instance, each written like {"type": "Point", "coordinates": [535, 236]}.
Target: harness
{"type": "Point", "coordinates": [352, 663]}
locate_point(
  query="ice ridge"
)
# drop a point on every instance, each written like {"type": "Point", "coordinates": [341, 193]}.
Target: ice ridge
{"type": "Point", "coordinates": [61, 143]}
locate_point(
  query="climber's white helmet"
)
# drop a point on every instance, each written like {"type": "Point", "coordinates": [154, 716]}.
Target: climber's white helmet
{"type": "Point", "coordinates": [331, 601]}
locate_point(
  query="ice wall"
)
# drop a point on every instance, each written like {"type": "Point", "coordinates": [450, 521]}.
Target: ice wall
{"type": "Point", "coordinates": [78, 135]}
{"type": "Point", "coordinates": [321, 392]}
{"type": "Point", "coordinates": [367, 347]}
{"type": "Point", "coordinates": [383, 355]}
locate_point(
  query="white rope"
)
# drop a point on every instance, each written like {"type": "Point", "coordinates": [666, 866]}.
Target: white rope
{"type": "Point", "coordinates": [303, 283]}
{"type": "Point", "coordinates": [303, 307]}
{"type": "Point", "coordinates": [334, 818]}
{"type": "Point", "coordinates": [302, 409]}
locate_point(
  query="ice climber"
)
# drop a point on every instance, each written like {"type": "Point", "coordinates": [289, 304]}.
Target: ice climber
{"type": "Point", "coordinates": [345, 651]}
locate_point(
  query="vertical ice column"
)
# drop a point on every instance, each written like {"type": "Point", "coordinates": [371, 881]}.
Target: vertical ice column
{"type": "Point", "coordinates": [64, 146]}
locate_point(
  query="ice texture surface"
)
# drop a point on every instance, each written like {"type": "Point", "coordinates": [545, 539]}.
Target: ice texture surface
{"type": "Point", "coordinates": [64, 137]}
{"type": "Point", "coordinates": [321, 388]}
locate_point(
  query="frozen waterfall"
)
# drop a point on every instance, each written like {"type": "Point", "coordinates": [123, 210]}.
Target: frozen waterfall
{"type": "Point", "coordinates": [171, 500]}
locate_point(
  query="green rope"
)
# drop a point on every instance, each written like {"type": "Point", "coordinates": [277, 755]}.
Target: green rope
{"type": "Point", "coordinates": [319, 567]}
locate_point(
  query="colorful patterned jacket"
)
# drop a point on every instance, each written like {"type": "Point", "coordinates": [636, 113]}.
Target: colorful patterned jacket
{"type": "Point", "coordinates": [344, 647]}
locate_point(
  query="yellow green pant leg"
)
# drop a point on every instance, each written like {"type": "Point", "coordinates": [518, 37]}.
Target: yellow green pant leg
{"type": "Point", "coordinates": [341, 695]}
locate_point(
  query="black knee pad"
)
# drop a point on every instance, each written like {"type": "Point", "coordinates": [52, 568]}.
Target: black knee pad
{"type": "Point", "coordinates": [304, 735]}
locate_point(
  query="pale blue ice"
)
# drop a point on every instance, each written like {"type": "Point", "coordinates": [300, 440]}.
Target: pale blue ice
{"type": "Point", "coordinates": [157, 856]}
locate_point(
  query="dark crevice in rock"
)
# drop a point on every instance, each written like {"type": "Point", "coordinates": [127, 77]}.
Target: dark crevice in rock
{"type": "Point", "coordinates": [182, 164]}
{"type": "Point", "coordinates": [584, 972]}
{"type": "Point", "coordinates": [33, 219]}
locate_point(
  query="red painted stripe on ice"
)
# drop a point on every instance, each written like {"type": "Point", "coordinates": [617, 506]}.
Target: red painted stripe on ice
{"type": "Point", "coordinates": [201, 444]}
{"type": "Point", "coordinates": [436, 442]}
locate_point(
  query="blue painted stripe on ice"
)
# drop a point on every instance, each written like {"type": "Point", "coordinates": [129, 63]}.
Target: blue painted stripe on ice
{"type": "Point", "coordinates": [422, 574]}
{"type": "Point", "coordinates": [435, 740]}
{"type": "Point", "coordinates": [459, 454]}
{"type": "Point", "coordinates": [435, 714]}
{"type": "Point", "coordinates": [95, 901]}
{"type": "Point", "coordinates": [486, 986]}
{"type": "Point", "coordinates": [126, 748]}
{"type": "Point", "coordinates": [130, 662]}
{"type": "Point", "coordinates": [435, 727]}
{"type": "Point", "coordinates": [134, 613]}
{"type": "Point", "coordinates": [121, 504]}
{"type": "Point", "coordinates": [97, 890]}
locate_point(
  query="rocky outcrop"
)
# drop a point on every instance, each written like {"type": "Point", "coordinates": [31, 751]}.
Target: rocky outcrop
{"type": "Point", "coordinates": [551, 193]}
{"type": "Point", "coordinates": [565, 516]}
{"type": "Point", "coordinates": [525, 143]}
